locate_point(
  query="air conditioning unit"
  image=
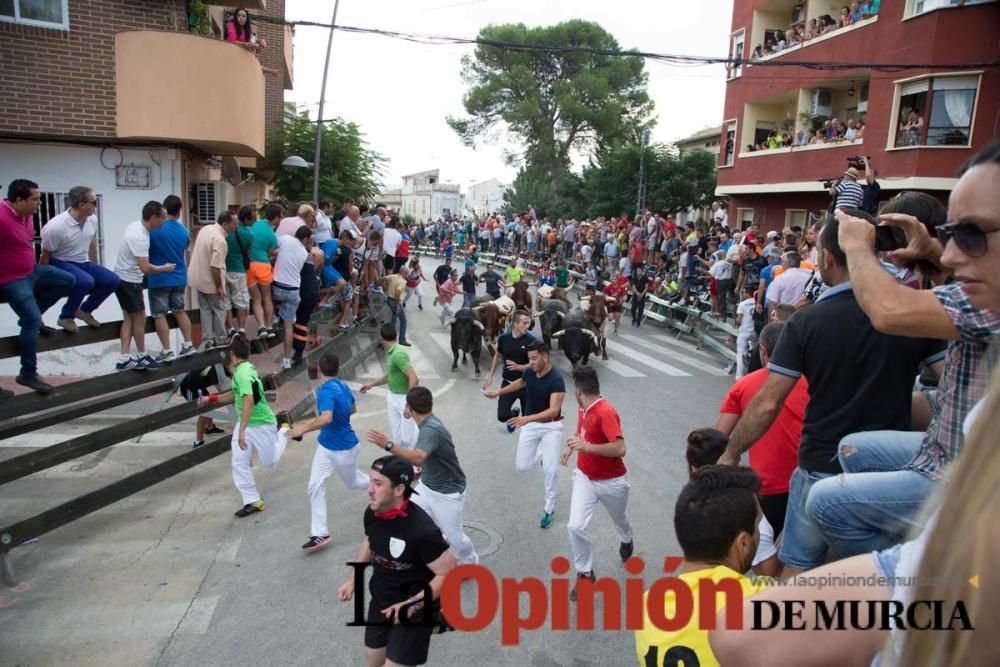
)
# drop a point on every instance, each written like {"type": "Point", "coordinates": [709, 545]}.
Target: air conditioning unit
{"type": "Point", "coordinates": [822, 102]}
{"type": "Point", "coordinates": [208, 200]}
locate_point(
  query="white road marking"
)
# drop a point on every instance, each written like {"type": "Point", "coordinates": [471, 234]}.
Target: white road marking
{"type": "Point", "coordinates": [700, 365]}
{"type": "Point", "coordinates": [689, 347]}
{"type": "Point", "coordinates": [423, 366]}
{"type": "Point", "coordinates": [617, 367]}
{"type": "Point", "coordinates": [646, 360]}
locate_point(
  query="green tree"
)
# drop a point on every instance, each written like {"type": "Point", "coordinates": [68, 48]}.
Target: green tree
{"type": "Point", "coordinates": [554, 101]}
{"type": "Point", "coordinates": [348, 167]}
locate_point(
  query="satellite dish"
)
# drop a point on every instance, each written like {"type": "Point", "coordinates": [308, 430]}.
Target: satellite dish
{"type": "Point", "coordinates": [231, 170]}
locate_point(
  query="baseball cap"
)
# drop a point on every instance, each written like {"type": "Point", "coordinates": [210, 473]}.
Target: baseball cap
{"type": "Point", "coordinates": [396, 469]}
{"type": "Point", "coordinates": [772, 234]}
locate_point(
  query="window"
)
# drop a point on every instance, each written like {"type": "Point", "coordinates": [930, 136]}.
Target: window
{"type": "Point", "coordinates": [795, 217]}
{"type": "Point", "coordinates": [936, 111]}
{"type": "Point", "coordinates": [730, 143]}
{"type": "Point", "coordinates": [736, 54]}
{"type": "Point", "coordinates": [54, 203]}
{"type": "Point", "coordinates": [45, 13]}
{"type": "Point", "coordinates": [745, 218]}
{"type": "Point", "coordinates": [921, 6]}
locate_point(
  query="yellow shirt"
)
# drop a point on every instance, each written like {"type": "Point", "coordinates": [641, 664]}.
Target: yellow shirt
{"type": "Point", "coordinates": [655, 643]}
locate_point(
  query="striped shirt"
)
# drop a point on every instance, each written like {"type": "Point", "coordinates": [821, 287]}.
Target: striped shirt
{"type": "Point", "coordinates": [850, 194]}
{"type": "Point", "coordinates": [965, 379]}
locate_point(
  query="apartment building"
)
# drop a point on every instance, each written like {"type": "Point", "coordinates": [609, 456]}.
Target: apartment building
{"type": "Point", "coordinates": [920, 123]}
{"type": "Point", "coordinates": [125, 96]}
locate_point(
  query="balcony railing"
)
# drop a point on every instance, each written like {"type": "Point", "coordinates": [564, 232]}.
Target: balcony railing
{"type": "Point", "coordinates": [808, 39]}
{"type": "Point", "coordinates": [187, 88]}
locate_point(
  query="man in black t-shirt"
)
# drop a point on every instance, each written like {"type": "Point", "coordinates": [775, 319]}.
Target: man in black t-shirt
{"type": "Point", "coordinates": [541, 438]}
{"type": "Point", "coordinates": [468, 282]}
{"type": "Point", "coordinates": [441, 274]}
{"type": "Point", "coordinates": [859, 380]}
{"type": "Point", "coordinates": [409, 557]}
{"type": "Point", "coordinates": [492, 280]}
{"type": "Point", "coordinates": [196, 384]}
{"type": "Point", "coordinates": [512, 349]}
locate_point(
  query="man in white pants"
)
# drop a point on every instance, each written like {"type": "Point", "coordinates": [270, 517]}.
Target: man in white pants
{"type": "Point", "coordinates": [401, 377]}
{"type": "Point", "coordinates": [541, 437]}
{"type": "Point", "coordinates": [258, 429]}
{"type": "Point", "coordinates": [441, 489]}
{"type": "Point", "coordinates": [600, 475]}
{"type": "Point", "coordinates": [338, 447]}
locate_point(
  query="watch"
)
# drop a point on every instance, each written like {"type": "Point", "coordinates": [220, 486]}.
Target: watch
{"type": "Point", "coordinates": [389, 445]}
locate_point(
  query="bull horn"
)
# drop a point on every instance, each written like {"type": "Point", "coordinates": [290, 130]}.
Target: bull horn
{"type": "Point", "coordinates": [450, 322]}
{"type": "Point", "coordinates": [478, 309]}
{"type": "Point", "coordinates": [536, 315]}
{"type": "Point", "coordinates": [479, 324]}
{"type": "Point", "coordinates": [558, 333]}
{"type": "Point", "coordinates": [590, 333]}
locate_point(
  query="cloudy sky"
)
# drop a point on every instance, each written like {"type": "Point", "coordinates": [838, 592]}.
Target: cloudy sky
{"type": "Point", "coordinates": [400, 92]}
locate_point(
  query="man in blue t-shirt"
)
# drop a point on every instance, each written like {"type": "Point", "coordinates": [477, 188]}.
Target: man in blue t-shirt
{"type": "Point", "coordinates": [338, 446]}
{"type": "Point", "coordinates": [168, 245]}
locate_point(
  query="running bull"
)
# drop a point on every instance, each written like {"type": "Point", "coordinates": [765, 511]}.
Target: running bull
{"type": "Point", "coordinates": [576, 338]}
{"type": "Point", "coordinates": [467, 337]}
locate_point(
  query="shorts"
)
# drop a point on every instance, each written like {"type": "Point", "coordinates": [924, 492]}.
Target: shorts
{"type": "Point", "coordinates": [403, 644]}
{"type": "Point", "coordinates": [163, 300]}
{"type": "Point", "coordinates": [289, 300]}
{"type": "Point", "coordinates": [330, 276]}
{"type": "Point", "coordinates": [615, 309]}
{"type": "Point", "coordinates": [130, 297]}
{"type": "Point", "coordinates": [713, 287]}
{"type": "Point", "coordinates": [237, 293]}
{"type": "Point", "coordinates": [260, 272]}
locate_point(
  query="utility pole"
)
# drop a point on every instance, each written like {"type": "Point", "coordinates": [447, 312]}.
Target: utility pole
{"type": "Point", "coordinates": [322, 97]}
{"type": "Point", "coordinates": [640, 197]}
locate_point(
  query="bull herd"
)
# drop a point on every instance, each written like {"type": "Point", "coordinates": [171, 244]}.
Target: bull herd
{"type": "Point", "coordinates": [578, 330]}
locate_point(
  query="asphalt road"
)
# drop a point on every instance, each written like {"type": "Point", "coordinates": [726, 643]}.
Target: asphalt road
{"type": "Point", "coordinates": [169, 577]}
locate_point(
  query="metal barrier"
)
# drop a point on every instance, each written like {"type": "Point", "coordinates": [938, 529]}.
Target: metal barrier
{"type": "Point", "coordinates": [29, 412]}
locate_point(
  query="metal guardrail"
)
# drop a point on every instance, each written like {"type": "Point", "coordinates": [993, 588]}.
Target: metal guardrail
{"type": "Point", "coordinates": [19, 419]}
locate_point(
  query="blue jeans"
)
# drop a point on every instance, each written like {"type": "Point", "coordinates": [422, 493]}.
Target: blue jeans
{"type": "Point", "coordinates": [29, 298]}
{"type": "Point", "coordinates": [468, 298]}
{"type": "Point", "coordinates": [875, 504]}
{"type": "Point", "coordinates": [802, 544]}
{"type": "Point", "coordinates": [398, 313]}
{"type": "Point", "coordinates": [93, 282]}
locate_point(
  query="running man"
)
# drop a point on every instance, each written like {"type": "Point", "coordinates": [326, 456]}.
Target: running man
{"type": "Point", "coordinates": [600, 475]}
{"type": "Point", "coordinates": [441, 489]}
{"type": "Point", "coordinates": [541, 437]}
{"type": "Point", "coordinates": [338, 447]}
{"type": "Point", "coordinates": [257, 430]}
{"type": "Point", "coordinates": [401, 378]}
{"type": "Point", "coordinates": [512, 347]}
{"type": "Point", "coordinates": [408, 554]}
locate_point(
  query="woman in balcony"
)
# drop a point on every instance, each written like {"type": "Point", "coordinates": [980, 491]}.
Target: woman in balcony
{"type": "Point", "coordinates": [845, 17]}
{"type": "Point", "coordinates": [913, 131]}
{"type": "Point", "coordinates": [240, 30]}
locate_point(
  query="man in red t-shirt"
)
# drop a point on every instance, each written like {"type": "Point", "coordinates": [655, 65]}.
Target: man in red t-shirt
{"type": "Point", "coordinates": [775, 456]}
{"type": "Point", "coordinates": [600, 475]}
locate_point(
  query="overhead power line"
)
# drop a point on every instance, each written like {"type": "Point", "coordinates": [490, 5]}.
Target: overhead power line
{"type": "Point", "coordinates": [666, 58]}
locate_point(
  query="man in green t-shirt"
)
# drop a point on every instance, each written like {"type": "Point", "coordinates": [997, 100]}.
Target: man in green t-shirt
{"type": "Point", "coordinates": [260, 275]}
{"type": "Point", "coordinates": [239, 245]}
{"type": "Point", "coordinates": [401, 378]}
{"type": "Point", "coordinates": [257, 430]}
{"type": "Point", "coordinates": [513, 274]}
{"type": "Point", "coordinates": [562, 276]}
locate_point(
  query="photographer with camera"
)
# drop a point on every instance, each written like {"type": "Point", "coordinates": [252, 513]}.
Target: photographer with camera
{"type": "Point", "coordinates": [846, 191]}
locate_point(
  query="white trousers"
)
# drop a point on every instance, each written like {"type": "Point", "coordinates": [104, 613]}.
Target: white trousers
{"type": "Point", "coordinates": [325, 462]}
{"type": "Point", "coordinates": [744, 343]}
{"type": "Point", "coordinates": [447, 311]}
{"type": "Point", "coordinates": [613, 494]}
{"type": "Point", "coordinates": [269, 443]}
{"type": "Point", "coordinates": [447, 509]}
{"type": "Point", "coordinates": [402, 430]}
{"type": "Point", "coordinates": [410, 291]}
{"type": "Point", "coordinates": [541, 442]}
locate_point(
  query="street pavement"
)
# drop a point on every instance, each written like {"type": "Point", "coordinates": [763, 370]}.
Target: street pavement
{"type": "Point", "coordinates": [169, 577]}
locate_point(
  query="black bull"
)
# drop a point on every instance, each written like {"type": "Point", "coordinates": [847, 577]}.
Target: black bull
{"type": "Point", "coordinates": [467, 337]}
{"type": "Point", "coordinates": [576, 338]}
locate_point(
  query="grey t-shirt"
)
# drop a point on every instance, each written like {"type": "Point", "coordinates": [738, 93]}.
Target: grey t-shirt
{"type": "Point", "coordinates": [441, 471]}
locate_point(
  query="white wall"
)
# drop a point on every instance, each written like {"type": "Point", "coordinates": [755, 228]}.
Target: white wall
{"type": "Point", "coordinates": [57, 168]}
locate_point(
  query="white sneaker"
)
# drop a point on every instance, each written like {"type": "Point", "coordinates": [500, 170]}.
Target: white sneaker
{"type": "Point", "coordinates": [186, 349]}
{"type": "Point", "coordinates": [286, 364]}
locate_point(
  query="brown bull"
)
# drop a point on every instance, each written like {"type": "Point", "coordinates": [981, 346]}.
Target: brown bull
{"type": "Point", "coordinates": [521, 297]}
{"type": "Point", "coordinates": [597, 313]}
{"type": "Point", "coordinates": [493, 323]}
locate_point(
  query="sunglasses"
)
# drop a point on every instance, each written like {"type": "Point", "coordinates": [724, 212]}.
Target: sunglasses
{"type": "Point", "coordinates": [968, 236]}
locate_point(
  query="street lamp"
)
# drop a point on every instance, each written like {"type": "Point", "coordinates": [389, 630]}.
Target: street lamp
{"type": "Point", "coordinates": [295, 162]}
{"type": "Point", "coordinates": [322, 97]}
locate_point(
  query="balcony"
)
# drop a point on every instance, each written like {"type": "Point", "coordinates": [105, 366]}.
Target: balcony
{"type": "Point", "coordinates": [784, 26]}
{"type": "Point", "coordinates": [288, 59]}
{"type": "Point", "coordinates": [185, 88]}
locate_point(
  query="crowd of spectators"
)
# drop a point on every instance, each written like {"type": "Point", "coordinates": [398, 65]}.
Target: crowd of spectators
{"type": "Point", "coordinates": [832, 131]}
{"type": "Point", "coordinates": [801, 32]}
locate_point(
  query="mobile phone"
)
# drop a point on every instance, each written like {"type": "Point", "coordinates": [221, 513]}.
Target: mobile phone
{"type": "Point", "coordinates": [888, 238]}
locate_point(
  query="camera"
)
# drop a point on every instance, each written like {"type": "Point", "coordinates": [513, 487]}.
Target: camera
{"type": "Point", "coordinates": [828, 183]}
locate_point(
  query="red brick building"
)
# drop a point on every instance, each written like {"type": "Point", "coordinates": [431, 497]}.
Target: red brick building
{"type": "Point", "coordinates": [957, 109]}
